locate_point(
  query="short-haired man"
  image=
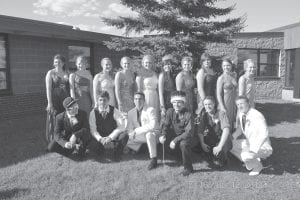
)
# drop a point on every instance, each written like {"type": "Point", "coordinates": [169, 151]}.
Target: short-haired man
{"type": "Point", "coordinates": [71, 130]}
{"type": "Point", "coordinates": [142, 127]}
{"type": "Point", "coordinates": [107, 126]}
{"type": "Point", "coordinates": [213, 130]}
{"type": "Point", "coordinates": [256, 143]}
{"type": "Point", "coordinates": [177, 130]}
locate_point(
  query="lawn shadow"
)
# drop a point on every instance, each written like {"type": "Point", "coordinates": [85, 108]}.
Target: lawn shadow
{"type": "Point", "coordinates": [12, 193]}
{"type": "Point", "coordinates": [276, 113]}
{"type": "Point", "coordinates": [22, 139]}
{"type": "Point", "coordinates": [285, 157]}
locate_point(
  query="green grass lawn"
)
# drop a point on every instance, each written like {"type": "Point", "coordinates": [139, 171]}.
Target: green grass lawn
{"type": "Point", "coordinates": [27, 172]}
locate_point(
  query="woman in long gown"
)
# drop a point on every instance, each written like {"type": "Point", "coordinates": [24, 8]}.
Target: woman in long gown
{"type": "Point", "coordinates": [147, 82]}
{"type": "Point", "coordinates": [166, 84]}
{"type": "Point", "coordinates": [81, 85]}
{"type": "Point", "coordinates": [185, 82]}
{"type": "Point", "coordinates": [124, 86]}
{"type": "Point", "coordinates": [247, 83]}
{"type": "Point", "coordinates": [226, 91]}
{"type": "Point", "coordinates": [206, 80]}
{"type": "Point", "coordinates": [57, 89]}
{"type": "Point", "coordinates": [104, 81]}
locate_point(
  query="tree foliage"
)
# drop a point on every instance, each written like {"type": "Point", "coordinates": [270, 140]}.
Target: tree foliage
{"type": "Point", "coordinates": [178, 27]}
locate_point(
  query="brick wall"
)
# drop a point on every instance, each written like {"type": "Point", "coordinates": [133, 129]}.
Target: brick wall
{"type": "Point", "coordinates": [265, 88]}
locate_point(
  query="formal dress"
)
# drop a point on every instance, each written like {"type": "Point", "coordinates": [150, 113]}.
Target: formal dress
{"type": "Point", "coordinates": [188, 86]}
{"type": "Point", "coordinates": [145, 126]}
{"type": "Point", "coordinates": [249, 89]}
{"type": "Point", "coordinates": [150, 85]}
{"type": "Point", "coordinates": [82, 93]}
{"type": "Point", "coordinates": [210, 84]}
{"type": "Point", "coordinates": [256, 143]}
{"type": "Point", "coordinates": [60, 90]}
{"type": "Point", "coordinates": [229, 96]}
{"type": "Point", "coordinates": [108, 85]}
{"type": "Point", "coordinates": [126, 93]}
{"type": "Point", "coordinates": [169, 87]}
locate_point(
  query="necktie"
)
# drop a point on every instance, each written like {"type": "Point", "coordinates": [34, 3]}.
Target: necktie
{"type": "Point", "coordinates": [243, 121]}
{"type": "Point", "coordinates": [139, 117]}
{"type": "Point", "coordinates": [103, 113]}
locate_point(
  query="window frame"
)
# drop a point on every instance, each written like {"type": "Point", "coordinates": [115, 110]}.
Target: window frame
{"type": "Point", "coordinates": [258, 63]}
{"type": "Point", "coordinates": [82, 45]}
{"type": "Point", "coordinates": [7, 91]}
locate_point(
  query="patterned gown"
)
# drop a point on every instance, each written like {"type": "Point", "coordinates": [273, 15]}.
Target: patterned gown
{"type": "Point", "coordinates": [169, 87]}
{"type": "Point", "coordinates": [60, 90]}
{"type": "Point", "coordinates": [188, 87]}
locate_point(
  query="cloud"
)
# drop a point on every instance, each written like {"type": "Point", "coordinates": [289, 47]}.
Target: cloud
{"type": "Point", "coordinates": [67, 8]}
{"type": "Point", "coordinates": [116, 9]}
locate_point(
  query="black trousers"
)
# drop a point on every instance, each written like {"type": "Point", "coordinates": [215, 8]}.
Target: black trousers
{"type": "Point", "coordinates": [83, 140]}
{"type": "Point", "coordinates": [183, 147]}
{"type": "Point", "coordinates": [212, 140]}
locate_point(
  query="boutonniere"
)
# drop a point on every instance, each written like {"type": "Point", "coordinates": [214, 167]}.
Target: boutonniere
{"type": "Point", "coordinates": [248, 122]}
{"type": "Point", "coordinates": [216, 120]}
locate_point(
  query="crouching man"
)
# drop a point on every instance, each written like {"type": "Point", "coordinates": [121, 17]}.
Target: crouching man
{"type": "Point", "coordinates": [108, 127]}
{"type": "Point", "coordinates": [213, 130]}
{"type": "Point", "coordinates": [251, 143]}
{"type": "Point", "coordinates": [177, 130]}
{"type": "Point", "coordinates": [142, 127]}
{"type": "Point", "coordinates": [71, 130]}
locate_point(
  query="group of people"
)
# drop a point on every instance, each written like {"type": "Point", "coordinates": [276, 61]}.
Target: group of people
{"type": "Point", "coordinates": [132, 109]}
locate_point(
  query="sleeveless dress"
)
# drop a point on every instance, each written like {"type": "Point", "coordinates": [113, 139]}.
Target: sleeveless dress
{"type": "Point", "coordinates": [188, 88]}
{"type": "Point", "coordinates": [210, 84]}
{"type": "Point", "coordinates": [150, 85]}
{"type": "Point", "coordinates": [60, 90]}
{"type": "Point", "coordinates": [82, 93]}
{"type": "Point", "coordinates": [126, 94]}
{"type": "Point", "coordinates": [108, 85]}
{"type": "Point", "coordinates": [229, 96]}
{"type": "Point", "coordinates": [250, 90]}
{"type": "Point", "coordinates": [169, 87]}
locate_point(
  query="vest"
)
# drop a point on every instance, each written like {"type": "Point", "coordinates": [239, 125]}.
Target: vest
{"type": "Point", "coordinates": [107, 125]}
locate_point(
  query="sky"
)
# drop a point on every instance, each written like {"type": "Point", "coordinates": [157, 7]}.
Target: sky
{"type": "Point", "coordinates": [261, 15]}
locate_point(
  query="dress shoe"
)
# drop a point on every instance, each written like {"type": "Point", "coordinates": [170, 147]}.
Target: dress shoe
{"type": "Point", "coordinates": [153, 164]}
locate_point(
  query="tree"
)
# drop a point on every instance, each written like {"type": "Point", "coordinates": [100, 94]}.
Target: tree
{"type": "Point", "coordinates": [181, 27]}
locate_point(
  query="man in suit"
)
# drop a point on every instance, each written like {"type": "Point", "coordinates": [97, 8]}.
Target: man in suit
{"type": "Point", "coordinates": [142, 127]}
{"type": "Point", "coordinates": [107, 126]}
{"type": "Point", "coordinates": [251, 143]}
{"type": "Point", "coordinates": [177, 130]}
{"type": "Point", "coordinates": [213, 130]}
{"type": "Point", "coordinates": [71, 131]}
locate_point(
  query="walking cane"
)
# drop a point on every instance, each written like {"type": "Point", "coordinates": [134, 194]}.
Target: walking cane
{"type": "Point", "coordinates": [163, 159]}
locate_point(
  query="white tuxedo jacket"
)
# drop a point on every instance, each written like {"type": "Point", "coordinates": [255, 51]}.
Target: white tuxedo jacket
{"type": "Point", "coordinates": [149, 121]}
{"type": "Point", "coordinates": [256, 131]}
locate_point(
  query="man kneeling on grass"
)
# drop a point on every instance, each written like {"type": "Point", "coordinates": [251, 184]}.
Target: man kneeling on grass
{"type": "Point", "coordinates": [107, 126]}
{"type": "Point", "coordinates": [71, 131]}
{"type": "Point", "coordinates": [142, 127]}
{"type": "Point", "coordinates": [213, 131]}
{"type": "Point", "coordinates": [177, 130]}
{"type": "Point", "coordinates": [251, 143]}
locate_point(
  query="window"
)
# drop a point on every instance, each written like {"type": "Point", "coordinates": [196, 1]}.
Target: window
{"type": "Point", "coordinates": [266, 60]}
{"type": "Point", "coordinates": [290, 67]}
{"type": "Point", "coordinates": [4, 70]}
{"type": "Point", "coordinates": [74, 52]}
